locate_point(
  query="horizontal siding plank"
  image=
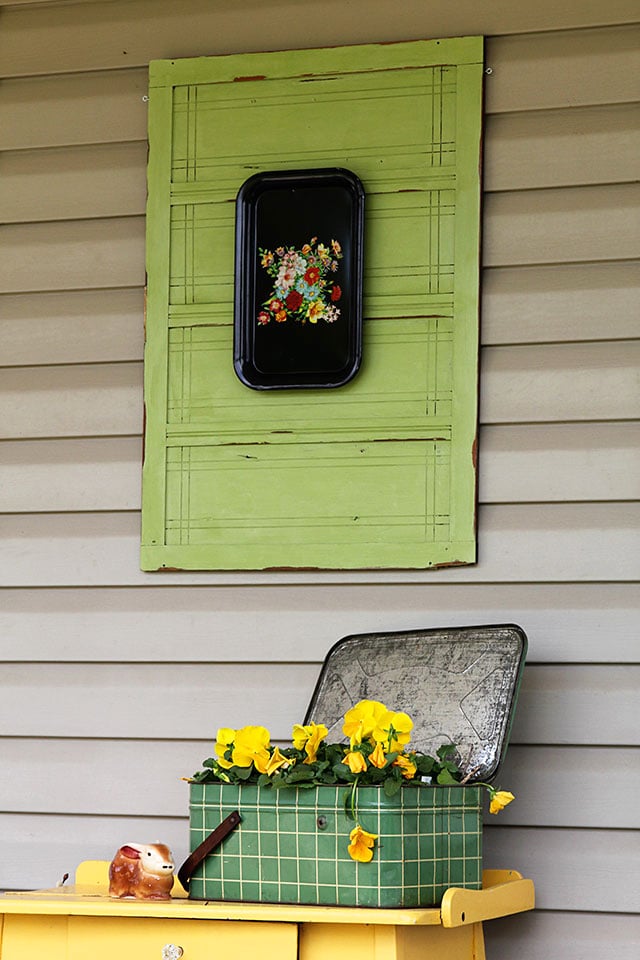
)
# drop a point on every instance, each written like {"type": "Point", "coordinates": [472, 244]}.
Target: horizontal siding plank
{"type": "Point", "coordinates": [73, 254]}
{"type": "Point", "coordinates": [559, 462]}
{"type": "Point", "coordinates": [37, 774]}
{"type": "Point", "coordinates": [518, 543]}
{"type": "Point", "coordinates": [60, 475]}
{"type": "Point", "coordinates": [534, 227]}
{"type": "Point", "coordinates": [558, 148]}
{"type": "Point", "coordinates": [522, 151]}
{"type": "Point", "coordinates": [523, 463]}
{"type": "Point", "coordinates": [537, 72]}
{"type": "Point", "coordinates": [564, 622]}
{"type": "Point", "coordinates": [572, 705]}
{"type": "Point", "coordinates": [572, 936]}
{"type": "Point", "coordinates": [572, 869]}
{"type": "Point", "coordinates": [539, 383]}
{"type": "Point", "coordinates": [558, 704]}
{"type": "Point", "coordinates": [594, 301]}
{"type": "Point", "coordinates": [562, 225]}
{"type": "Point", "coordinates": [79, 326]}
{"type": "Point", "coordinates": [38, 850]}
{"type": "Point", "coordinates": [102, 107]}
{"type": "Point", "coordinates": [544, 781]}
{"type": "Point", "coordinates": [67, 183]}
{"type": "Point", "coordinates": [551, 382]}
{"type": "Point", "coordinates": [550, 304]}
{"type": "Point", "coordinates": [120, 34]}
{"type": "Point", "coordinates": [154, 700]}
{"type": "Point", "coordinates": [77, 400]}
{"type": "Point", "coordinates": [555, 70]}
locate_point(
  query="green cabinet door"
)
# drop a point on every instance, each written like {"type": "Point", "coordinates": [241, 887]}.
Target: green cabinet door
{"type": "Point", "coordinates": [379, 473]}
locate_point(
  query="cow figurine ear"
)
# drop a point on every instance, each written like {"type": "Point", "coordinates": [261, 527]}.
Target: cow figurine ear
{"type": "Point", "coordinates": [141, 871]}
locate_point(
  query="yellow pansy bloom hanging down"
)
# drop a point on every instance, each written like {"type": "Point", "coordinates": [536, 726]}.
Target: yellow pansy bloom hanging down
{"type": "Point", "coordinates": [407, 766]}
{"type": "Point", "coordinates": [378, 758]}
{"type": "Point", "coordinates": [356, 762]}
{"type": "Point", "coordinates": [499, 800]}
{"type": "Point", "coordinates": [361, 846]}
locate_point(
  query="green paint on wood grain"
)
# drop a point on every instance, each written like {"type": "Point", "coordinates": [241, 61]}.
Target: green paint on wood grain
{"type": "Point", "coordinates": [380, 472]}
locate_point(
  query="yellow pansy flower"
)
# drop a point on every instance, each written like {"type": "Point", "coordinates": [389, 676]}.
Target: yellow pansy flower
{"type": "Point", "coordinates": [407, 766]}
{"type": "Point", "coordinates": [402, 725]}
{"type": "Point", "coordinates": [499, 800]}
{"type": "Point", "coordinates": [252, 747]}
{"type": "Point", "coordinates": [363, 719]}
{"type": "Point", "coordinates": [276, 761]}
{"type": "Point", "coordinates": [356, 762]}
{"type": "Point", "coordinates": [309, 738]}
{"type": "Point", "coordinates": [318, 734]}
{"type": "Point", "coordinates": [224, 739]}
{"type": "Point", "coordinates": [362, 843]}
{"type": "Point", "coordinates": [378, 758]}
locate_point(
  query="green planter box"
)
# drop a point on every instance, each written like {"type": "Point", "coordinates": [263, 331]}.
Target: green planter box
{"type": "Point", "coordinates": [291, 846]}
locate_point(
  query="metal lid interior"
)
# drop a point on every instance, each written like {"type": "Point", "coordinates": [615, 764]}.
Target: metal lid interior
{"type": "Point", "coordinates": [458, 685]}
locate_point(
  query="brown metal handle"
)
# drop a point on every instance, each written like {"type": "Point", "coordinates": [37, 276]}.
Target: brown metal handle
{"type": "Point", "coordinates": [207, 846]}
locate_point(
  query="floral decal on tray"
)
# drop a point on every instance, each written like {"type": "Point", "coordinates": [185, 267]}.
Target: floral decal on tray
{"type": "Point", "coordinates": [303, 289]}
{"type": "Point", "coordinates": [377, 754]}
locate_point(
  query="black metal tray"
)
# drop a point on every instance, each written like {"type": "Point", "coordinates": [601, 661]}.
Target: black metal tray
{"type": "Point", "coordinates": [298, 279]}
{"type": "Point", "coordinates": [458, 684]}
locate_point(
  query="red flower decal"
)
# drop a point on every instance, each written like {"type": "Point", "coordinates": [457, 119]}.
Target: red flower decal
{"type": "Point", "coordinates": [294, 300]}
{"type": "Point", "coordinates": [312, 275]}
{"type": "Point", "coordinates": [336, 293]}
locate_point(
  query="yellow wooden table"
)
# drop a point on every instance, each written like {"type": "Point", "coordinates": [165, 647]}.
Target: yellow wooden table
{"type": "Point", "coordinates": [81, 922]}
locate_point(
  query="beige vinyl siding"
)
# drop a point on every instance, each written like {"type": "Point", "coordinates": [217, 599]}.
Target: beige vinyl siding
{"type": "Point", "coordinates": [84, 634]}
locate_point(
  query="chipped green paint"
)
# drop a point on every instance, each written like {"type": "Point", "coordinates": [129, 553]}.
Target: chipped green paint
{"type": "Point", "coordinates": [380, 472]}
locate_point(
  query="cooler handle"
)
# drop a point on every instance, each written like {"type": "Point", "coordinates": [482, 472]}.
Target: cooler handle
{"type": "Point", "coordinates": [207, 846]}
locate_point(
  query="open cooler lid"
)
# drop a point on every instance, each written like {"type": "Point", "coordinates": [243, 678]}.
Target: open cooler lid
{"type": "Point", "coordinates": [458, 684]}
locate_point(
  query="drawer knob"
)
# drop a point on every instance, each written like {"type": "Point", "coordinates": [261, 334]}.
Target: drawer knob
{"type": "Point", "coordinates": [172, 952]}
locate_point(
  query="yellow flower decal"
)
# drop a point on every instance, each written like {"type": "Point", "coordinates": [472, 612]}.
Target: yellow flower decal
{"type": "Point", "coordinates": [356, 762]}
{"type": "Point", "coordinates": [224, 739]}
{"type": "Point", "coordinates": [407, 766]}
{"type": "Point", "coordinates": [309, 739]}
{"type": "Point", "coordinates": [499, 800]}
{"type": "Point", "coordinates": [362, 843]}
{"type": "Point", "coordinates": [252, 747]}
{"type": "Point", "coordinates": [315, 311]}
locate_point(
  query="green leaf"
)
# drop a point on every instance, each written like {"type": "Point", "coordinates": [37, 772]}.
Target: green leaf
{"type": "Point", "coordinates": [446, 778]}
{"type": "Point", "coordinates": [300, 774]}
{"type": "Point", "coordinates": [242, 773]}
{"type": "Point", "coordinates": [392, 787]}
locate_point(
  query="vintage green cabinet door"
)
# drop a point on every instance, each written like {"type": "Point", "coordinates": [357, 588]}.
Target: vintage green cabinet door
{"type": "Point", "coordinates": [379, 472]}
